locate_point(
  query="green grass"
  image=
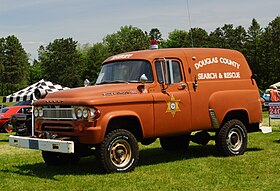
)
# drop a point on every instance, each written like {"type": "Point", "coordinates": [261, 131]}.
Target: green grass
{"type": "Point", "coordinates": [199, 169]}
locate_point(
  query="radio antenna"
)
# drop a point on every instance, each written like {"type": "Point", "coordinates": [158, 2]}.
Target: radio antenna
{"type": "Point", "coordinates": [188, 13]}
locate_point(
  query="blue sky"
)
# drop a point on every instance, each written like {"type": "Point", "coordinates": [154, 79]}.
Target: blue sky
{"type": "Point", "coordinates": [39, 22]}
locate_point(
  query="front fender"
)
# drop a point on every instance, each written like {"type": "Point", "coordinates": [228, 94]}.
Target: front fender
{"type": "Point", "coordinates": [114, 114]}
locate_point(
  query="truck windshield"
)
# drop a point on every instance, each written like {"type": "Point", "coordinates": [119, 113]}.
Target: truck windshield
{"type": "Point", "coordinates": [128, 71]}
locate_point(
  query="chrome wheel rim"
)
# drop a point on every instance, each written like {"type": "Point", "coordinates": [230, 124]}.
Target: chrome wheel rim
{"type": "Point", "coordinates": [120, 153]}
{"type": "Point", "coordinates": [234, 139]}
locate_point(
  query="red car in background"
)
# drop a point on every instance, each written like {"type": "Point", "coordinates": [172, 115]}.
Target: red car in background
{"type": "Point", "coordinates": [7, 112]}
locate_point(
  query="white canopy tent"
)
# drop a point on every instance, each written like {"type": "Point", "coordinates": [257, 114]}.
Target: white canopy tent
{"type": "Point", "coordinates": [276, 84]}
{"type": "Point", "coordinates": [27, 94]}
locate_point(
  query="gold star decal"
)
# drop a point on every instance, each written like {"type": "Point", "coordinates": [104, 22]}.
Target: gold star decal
{"type": "Point", "coordinates": [173, 106]}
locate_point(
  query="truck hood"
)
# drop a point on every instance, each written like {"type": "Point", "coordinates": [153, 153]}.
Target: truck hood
{"type": "Point", "coordinates": [92, 95]}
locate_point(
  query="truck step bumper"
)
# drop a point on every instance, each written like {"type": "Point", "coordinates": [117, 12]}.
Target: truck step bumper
{"type": "Point", "coordinates": [51, 145]}
{"type": "Point", "coordinates": [266, 129]}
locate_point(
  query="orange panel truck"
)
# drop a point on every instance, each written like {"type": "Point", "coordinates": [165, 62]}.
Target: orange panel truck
{"type": "Point", "coordinates": [177, 95]}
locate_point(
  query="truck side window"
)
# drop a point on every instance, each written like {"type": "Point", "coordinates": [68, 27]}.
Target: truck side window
{"type": "Point", "coordinates": [168, 71]}
{"type": "Point", "coordinates": [177, 77]}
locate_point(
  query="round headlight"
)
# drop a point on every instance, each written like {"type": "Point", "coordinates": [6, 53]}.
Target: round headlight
{"type": "Point", "coordinates": [85, 113]}
{"type": "Point", "coordinates": [79, 113]}
{"type": "Point", "coordinates": [36, 113]}
{"type": "Point", "coordinates": [41, 113]}
{"type": "Point", "coordinates": [94, 113]}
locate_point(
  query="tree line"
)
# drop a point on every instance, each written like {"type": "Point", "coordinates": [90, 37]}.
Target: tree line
{"type": "Point", "coordinates": [68, 63]}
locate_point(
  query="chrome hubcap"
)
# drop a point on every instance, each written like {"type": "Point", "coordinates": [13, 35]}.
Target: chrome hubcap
{"type": "Point", "coordinates": [234, 139]}
{"type": "Point", "coordinates": [120, 153]}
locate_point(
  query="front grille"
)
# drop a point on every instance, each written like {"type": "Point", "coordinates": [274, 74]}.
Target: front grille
{"type": "Point", "coordinates": [59, 113]}
{"type": "Point", "coordinates": [57, 127]}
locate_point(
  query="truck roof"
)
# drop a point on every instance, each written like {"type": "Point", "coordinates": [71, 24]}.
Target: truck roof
{"type": "Point", "coordinates": [174, 52]}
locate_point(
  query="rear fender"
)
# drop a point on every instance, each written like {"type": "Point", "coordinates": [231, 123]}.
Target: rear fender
{"type": "Point", "coordinates": [224, 102]}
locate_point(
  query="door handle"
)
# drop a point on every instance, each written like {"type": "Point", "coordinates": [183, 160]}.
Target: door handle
{"type": "Point", "coordinates": [182, 86]}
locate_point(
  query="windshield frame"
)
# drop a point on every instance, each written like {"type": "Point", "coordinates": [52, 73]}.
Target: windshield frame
{"type": "Point", "coordinates": [131, 71]}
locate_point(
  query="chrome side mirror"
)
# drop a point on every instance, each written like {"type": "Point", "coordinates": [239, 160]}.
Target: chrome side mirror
{"type": "Point", "coordinates": [142, 87]}
{"type": "Point", "coordinates": [143, 79]}
{"type": "Point", "coordinates": [86, 82]}
{"type": "Point", "coordinates": [40, 93]}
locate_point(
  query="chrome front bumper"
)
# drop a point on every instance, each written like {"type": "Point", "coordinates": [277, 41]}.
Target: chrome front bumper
{"type": "Point", "coordinates": [51, 145]}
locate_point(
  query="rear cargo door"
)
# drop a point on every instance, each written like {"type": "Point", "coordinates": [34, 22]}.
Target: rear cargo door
{"type": "Point", "coordinates": [172, 100]}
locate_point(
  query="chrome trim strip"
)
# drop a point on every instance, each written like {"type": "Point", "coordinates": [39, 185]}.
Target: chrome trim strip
{"type": "Point", "coordinates": [214, 120]}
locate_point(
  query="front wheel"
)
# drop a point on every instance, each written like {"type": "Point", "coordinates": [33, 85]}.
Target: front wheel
{"type": "Point", "coordinates": [232, 138]}
{"type": "Point", "coordinates": [119, 151]}
{"type": "Point", "coordinates": [7, 128]}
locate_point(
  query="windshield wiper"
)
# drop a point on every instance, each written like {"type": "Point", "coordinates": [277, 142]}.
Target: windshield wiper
{"type": "Point", "coordinates": [112, 82]}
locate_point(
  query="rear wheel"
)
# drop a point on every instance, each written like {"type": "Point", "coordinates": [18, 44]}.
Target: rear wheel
{"type": "Point", "coordinates": [7, 128]}
{"type": "Point", "coordinates": [232, 138]}
{"type": "Point", "coordinates": [175, 143]}
{"type": "Point", "coordinates": [119, 151]}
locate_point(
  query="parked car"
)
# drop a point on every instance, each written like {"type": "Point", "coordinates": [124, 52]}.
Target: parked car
{"type": "Point", "coordinates": [22, 123]}
{"type": "Point", "coordinates": [23, 103]}
{"type": "Point", "coordinates": [7, 112]}
{"type": "Point", "coordinates": [265, 98]}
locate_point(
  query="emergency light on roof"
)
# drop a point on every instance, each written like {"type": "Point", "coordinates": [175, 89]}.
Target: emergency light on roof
{"type": "Point", "coordinates": [153, 44]}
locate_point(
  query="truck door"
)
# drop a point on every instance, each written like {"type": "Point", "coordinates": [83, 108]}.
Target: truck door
{"type": "Point", "coordinates": [172, 100]}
